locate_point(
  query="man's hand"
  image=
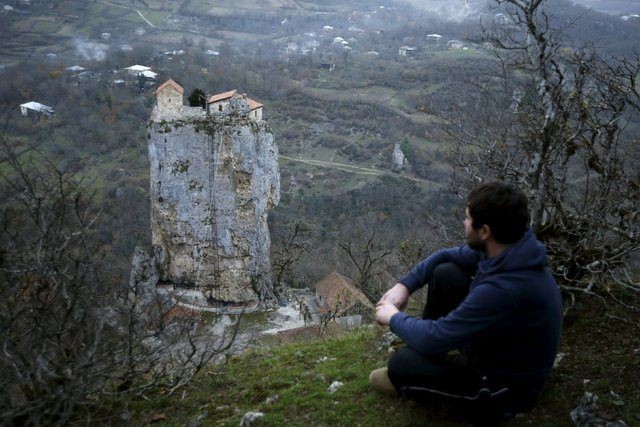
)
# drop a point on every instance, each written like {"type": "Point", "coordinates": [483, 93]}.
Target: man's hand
{"type": "Point", "coordinates": [384, 311]}
{"type": "Point", "coordinates": [397, 296]}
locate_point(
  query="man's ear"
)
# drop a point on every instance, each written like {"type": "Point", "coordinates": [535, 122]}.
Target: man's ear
{"type": "Point", "coordinates": [485, 232]}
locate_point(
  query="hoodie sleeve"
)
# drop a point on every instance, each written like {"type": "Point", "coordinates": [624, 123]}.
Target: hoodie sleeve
{"type": "Point", "coordinates": [485, 308]}
{"type": "Point", "coordinates": [463, 256]}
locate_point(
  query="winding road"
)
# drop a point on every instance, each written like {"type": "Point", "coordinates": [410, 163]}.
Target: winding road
{"type": "Point", "coordinates": [354, 169]}
{"type": "Point", "coordinates": [127, 7]}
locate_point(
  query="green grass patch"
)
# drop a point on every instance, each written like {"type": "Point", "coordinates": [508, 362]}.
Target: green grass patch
{"type": "Point", "coordinates": [289, 383]}
{"type": "Point", "coordinates": [46, 27]}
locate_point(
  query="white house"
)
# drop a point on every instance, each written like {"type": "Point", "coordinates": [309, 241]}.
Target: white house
{"type": "Point", "coordinates": [35, 108]}
{"type": "Point", "coordinates": [75, 69]}
{"type": "Point", "coordinates": [455, 44]}
{"type": "Point", "coordinates": [137, 69]}
{"type": "Point", "coordinates": [407, 50]}
{"type": "Point", "coordinates": [106, 36]}
{"type": "Point", "coordinates": [148, 74]}
{"type": "Point", "coordinates": [338, 40]}
{"type": "Point", "coordinates": [434, 37]}
{"type": "Point", "coordinates": [328, 28]}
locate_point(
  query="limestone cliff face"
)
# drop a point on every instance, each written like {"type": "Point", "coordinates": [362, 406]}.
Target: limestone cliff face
{"type": "Point", "coordinates": [213, 181]}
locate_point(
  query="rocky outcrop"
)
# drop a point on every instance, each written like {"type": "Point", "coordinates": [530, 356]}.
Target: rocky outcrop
{"type": "Point", "coordinates": [398, 158]}
{"type": "Point", "coordinates": [143, 279]}
{"type": "Point", "coordinates": [213, 181]}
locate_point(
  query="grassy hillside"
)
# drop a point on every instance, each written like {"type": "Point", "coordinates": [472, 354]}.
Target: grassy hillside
{"type": "Point", "coordinates": [601, 344]}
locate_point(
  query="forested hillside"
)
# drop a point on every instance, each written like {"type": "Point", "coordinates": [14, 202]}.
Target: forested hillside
{"type": "Point", "coordinates": [344, 85]}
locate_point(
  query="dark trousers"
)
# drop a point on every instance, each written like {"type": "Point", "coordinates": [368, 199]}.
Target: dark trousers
{"type": "Point", "coordinates": [447, 376]}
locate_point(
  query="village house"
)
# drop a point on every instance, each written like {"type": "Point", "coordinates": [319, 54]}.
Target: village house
{"type": "Point", "coordinates": [338, 295]}
{"type": "Point", "coordinates": [407, 50]}
{"type": "Point", "coordinates": [135, 70]}
{"type": "Point", "coordinates": [169, 104]}
{"type": "Point", "coordinates": [434, 37]}
{"type": "Point", "coordinates": [329, 66]}
{"type": "Point", "coordinates": [181, 317]}
{"type": "Point", "coordinates": [35, 109]}
{"type": "Point", "coordinates": [221, 104]}
{"type": "Point", "coordinates": [75, 69]}
{"type": "Point", "coordinates": [455, 44]}
{"type": "Point", "coordinates": [150, 75]}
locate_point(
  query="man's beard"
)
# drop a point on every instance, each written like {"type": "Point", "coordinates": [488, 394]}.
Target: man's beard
{"type": "Point", "coordinates": [476, 243]}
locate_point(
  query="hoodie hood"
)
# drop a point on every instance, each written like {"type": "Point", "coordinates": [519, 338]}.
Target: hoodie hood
{"type": "Point", "coordinates": [526, 253]}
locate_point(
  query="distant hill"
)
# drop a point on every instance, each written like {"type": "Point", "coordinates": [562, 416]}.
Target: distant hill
{"type": "Point", "coordinates": [613, 7]}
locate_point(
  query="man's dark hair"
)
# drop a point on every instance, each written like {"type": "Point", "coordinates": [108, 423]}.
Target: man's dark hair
{"type": "Point", "coordinates": [503, 207]}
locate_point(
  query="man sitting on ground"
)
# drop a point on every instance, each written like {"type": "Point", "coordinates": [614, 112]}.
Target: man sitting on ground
{"type": "Point", "coordinates": [494, 300]}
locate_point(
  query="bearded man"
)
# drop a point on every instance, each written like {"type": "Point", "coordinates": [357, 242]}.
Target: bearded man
{"type": "Point", "coordinates": [492, 321]}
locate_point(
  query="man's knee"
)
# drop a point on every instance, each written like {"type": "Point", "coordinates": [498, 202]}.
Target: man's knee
{"type": "Point", "coordinates": [448, 272]}
{"type": "Point", "coordinates": [400, 361]}
{"type": "Point", "coordinates": [406, 367]}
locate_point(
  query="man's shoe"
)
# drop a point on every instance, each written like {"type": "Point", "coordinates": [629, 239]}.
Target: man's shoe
{"type": "Point", "coordinates": [379, 379]}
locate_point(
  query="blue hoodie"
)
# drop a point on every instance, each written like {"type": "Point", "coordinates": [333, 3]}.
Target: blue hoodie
{"type": "Point", "coordinates": [510, 321]}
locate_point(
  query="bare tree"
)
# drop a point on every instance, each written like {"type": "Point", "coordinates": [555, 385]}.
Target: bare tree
{"type": "Point", "coordinates": [288, 249]}
{"type": "Point", "coordinates": [70, 331]}
{"type": "Point", "coordinates": [368, 257]}
{"type": "Point", "coordinates": [556, 125]}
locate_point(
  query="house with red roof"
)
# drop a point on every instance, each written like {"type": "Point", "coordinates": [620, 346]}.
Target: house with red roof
{"type": "Point", "coordinates": [224, 103]}
{"type": "Point", "coordinates": [339, 295]}
{"type": "Point", "coordinates": [170, 104]}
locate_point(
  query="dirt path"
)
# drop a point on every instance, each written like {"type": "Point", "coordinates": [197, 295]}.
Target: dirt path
{"type": "Point", "coordinates": [356, 169]}
{"type": "Point", "coordinates": [127, 7]}
{"type": "Point", "coordinates": [334, 165]}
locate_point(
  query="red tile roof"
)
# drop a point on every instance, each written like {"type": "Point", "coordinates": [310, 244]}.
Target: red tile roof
{"type": "Point", "coordinates": [171, 83]}
{"type": "Point", "coordinates": [254, 104]}
{"type": "Point", "coordinates": [179, 312]}
{"type": "Point", "coordinates": [339, 293]}
{"type": "Point", "coordinates": [226, 95]}
{"type": "Point", "coordinates": [222, 96]}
